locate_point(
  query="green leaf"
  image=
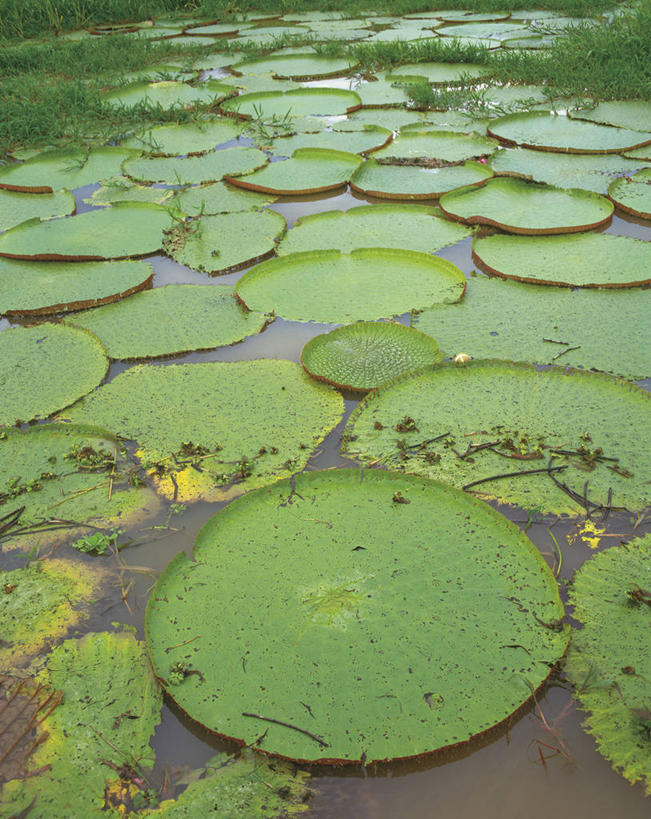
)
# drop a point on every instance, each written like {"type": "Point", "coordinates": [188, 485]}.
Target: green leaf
{"type": "Point", "coordinates": [447, 146]}
{"type": "Point", "coordinates": [193, 170]}
{"type": "Point", "coordinates": [381, 93]}
{"type": "Point", "coordinates": [442, 73]}
{"type": "Point", "coordinates": [632, 114]}
{"type": "Point", "coordinates": [482, 30]}
{"type": "Point", "coordinates": [396, 182]}
{"type": "Point", "coordinates": [392, 118]}
{"type": "Point", "coordinates": [190, 138]}
{"type": "Point", "coordinates": [218, 198]}
{"type": "Point", "coordinates": [167, 94]}
{"type": "Point", "coordinates": [17, 207]}
{"type": "Point", "coordinates": [119, 189]}
{"type": "Point", "coordinates": [295, 66]}
{"type": "Point", "coordinates": [353, 605]}
{"type": "Point", "coordinates": [368, 139]}
{"type": "Point", "coordinates": [301, 102]}
{"type": "Point", "coordinates": [633, 194]}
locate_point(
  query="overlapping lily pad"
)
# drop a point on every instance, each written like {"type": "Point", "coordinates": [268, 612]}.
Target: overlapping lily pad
{"type": "Point", "coordinates": [17, 207]}
{"type": "Point", "coordinates": [259, 83]}
{"type": "Point", "coordinates": [414, 182]}
{"type": "Point", "coordinates": [225, 242]}
{"type": "Point", "coordinates": [496, 418]}
{"type": "Point", "coordinates": [484, 30]}
{"type": "Point", "coordinates": [39, 288]}
{"type": "Point", "coordinates": [446, 146]}
{"type": "Point", "coordinates": [366, 284]}
{"type": "Point", "coordinates": [244, 424]}
{"type": "Point", "coordinates": [193, 170]}
{"type": "Point", "coordinates": [554, 132]}
{"type": "Point", "coordinates": [119, 189]}
{"type": "Point", "coordinates": [356, 624]}
{"type": "Point", "coordinates": [583, 260]}
{"type": "Point", "coordinates": [190, 138]}
{"type": "Point", "coordinates": [368, 138]}
{"type": "Point", "coordinates": [381, 93]}
{"type": "Point", "coordinates": [443, 73]}
{"type": "Point", "coordinates": [393, 118]}
{"type": "Point", "coordinates": [364, 355]}
{"type": "Point", "coordinates": [609, 660]}
{"type": "Point", "coordinates": [633, 194]}
{"type": "Point", "coordinates": [122, 230]}
{"type": "Point", "coordinates": [463, 122]}
{"type": "Point", "coordinates": [45, 368]}
{"type": "Point", "coordinates": [524, 207]}
{"type": "Point", "coordinates": [295, 66]}
{"type": "Point", "coordinates": [404, 227]}
{"type": "Point", "coordinates": [309, 170]}
{"type": "Point", "coordinates": [546, 325]}
{"type": "Point", "coordinates": [167, 94]}
{"type": "Point", "coordinates": [633, 114]}
{"type": "Point", "coordinates": [216, 28]}
{"type": "Point", "coordinates": [218, 198]}
{"type": "Point", "coordinates": [303, 102]}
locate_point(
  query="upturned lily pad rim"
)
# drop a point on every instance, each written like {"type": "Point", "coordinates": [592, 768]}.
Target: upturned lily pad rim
{"type": "Point", "coordinates": [414, 197]}
{"type": "Point", "coordinates": [612, 195]}
{"type": "Point", "coordinates": [316, 75]}
{"type": "Point", "coordinates": [262, 95]}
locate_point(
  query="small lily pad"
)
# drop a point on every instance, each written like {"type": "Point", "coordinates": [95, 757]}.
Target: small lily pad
{"type": "Point", "coordinates": [302, 102]}
{"type": "Point", "coordinates": [633, 194]}
{"type": "Point", "coordinates": [295, 66]}
{"type": "Point", "coordinates": [192, 138]}
{"type": "Point", "coordinates": [367, 139]}
{"type": "Point", "coordinates": [364, 355]}
{"type": "Point", "coordinates": [366, 284]}
{"type": "Point", "coordinates": [18, 207]}
{"type": "Point", "coordinates": [415, 182]}
{"type": "Point", "coordinates": [633, 114]}
{"type": "Point", "coordinates": [167, 94]}
{"type": "Point", "coordinates": [218, 198]}
{"type": "Point", "coordinates": [447, 146]}
{"type": "Point", "coordinates": [524, 207]}
{"type": "Point", "coordinates": [193, 170]}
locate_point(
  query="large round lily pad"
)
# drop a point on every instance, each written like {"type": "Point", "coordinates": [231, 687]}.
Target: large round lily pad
{"type": "Point", "coordinates": [193, 170]}
{"type": "Point", "coordinates": [442, 73]}
{"type": "Point", "coordinates": [18, 207]}
{"type": "Point", "coordinates": [447, 146]}
{"type": "Point", "coordinates": [225, 242]}
{"type": "Point", "coordinates": [241, 424]}
{"type": "Point", "coordinates": [309, 170]}
{"type": "Point", "coordinates": [413, 182]}
{"type": "Point", "coordinates": [633, 194]}
{"type": "Point", "coordinates": [117, 232]}
{"type": "Point", "coordinates": [190, 138]}
{"type": "Point", "coordinates": [609, 660]}
{"type": "Point", "coordinates": [554, 132]}
{"type": "Point", "coordinates": [364, 355]}
{"type": "Point", "coordinates": [404, 227]}
{"type": "Point", "coordinates": [120, 189]}
{"type": "Point", "coordinates": [393, 118]}
{"type": "Point", "coordinates": [167, 94]}
{"type": "Point", "coordinates": [381, 93]}
{"type": "Point", "coordinates": [39, 288]}
{"type": "Point", "coordinates": [218, 197]}
{"type": "Point", "coordinates": [384, 659]}
{"type": "Point", "coordinates": [581, 260]}
{"type": "Point", "coordinates": [524, 207]}
{"type": "Point", "coordinates": [366, 284]}
{"type": "Point", "coordinates": [496, 418]}
{"type": "Point", "coordinates": [301, 102]}
{"type": "Point", "coordinates": [546, 325]}
{"type": "Point", "coordinates": [295, 66]}
{"type": "Point", "coordinates": [633, 114]}
{"type": "Point", "coordinates": [491, 31]}
{"type": "Point", "coordinates": [368, 138]}
{"type": "Point", "coordinates": [45, 368]}
{"type": "Point", "coordinates": [169, 320]}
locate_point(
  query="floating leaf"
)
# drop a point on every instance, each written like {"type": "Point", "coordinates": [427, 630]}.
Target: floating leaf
{"type": "Point", "coordinates": [370, 138]}
{"type": "Point", "coordinates": [461, 16]}
{"type": "Point", "coordinates": [366, 284]}
{"type": "Point", "coordinates": [226, 242]}
{"type": "Point", "coordinates": [218, 198]}
{"type": "Point", "coordinates": [524, 207]}
{"type": "Point", "coordinates": [384, 662]}
{"type": "Point", "coordinates": [17, 207]}
{"type": "Point", "coordinates": [403, 227]}
{"type": "Point", "coordinates": [119, 189]}
{"type": "Point", "coordinates": [190, 138]}
{"type": "Point", "coordinates": [364, 355]}
{"type": "Point", "coordinates": [460, 121]}
{"type": "Point", "coordinates": [497, 418]}
{"type": "Point", "coordinates": [193, 170]}
{"type": "Point", "coordinates": [581, 260]}
{"type": "Point", "coordinates": [244, 424]}
{"type": "Point", "coordinates": [443, 73]}
{"type": "Point", "coordinates": [640, 153]}
{"type": "Point", "coordinates": [295, 66]}
{"type": "Point", "coordinates": [633, 114]}
{"type": "Point", "coordinates": [167, 94]}
{"type": "Point", "coordinates": [413, 182]}
{"type": "Point", "coordinates": [609, 660]}
{"type": "Point", "coordinates": [169, 320]}
{"type": "Point", "coordinates": [491, 31]}
{"type": "Point", "coordinates": [633, 194]}
{"type": "Point", "coordinates": [215, 28]}
{"type": "Point", "coordinates": [309, 170]}
{"type": "Point", "coordinates": [381, 93]}
{"type": "Point", "coordinates": [447, 146]}
{"type": "Point", "coordinates": [510, 320]}
{"type": "Point", "coordinates": [393, 118]}
{"type": "Point", "coordinates": [302, 102]}
{"type": "Point", "coordinates": [259, 83]}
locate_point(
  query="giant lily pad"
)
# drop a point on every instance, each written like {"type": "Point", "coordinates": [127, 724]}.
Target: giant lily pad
{"type": "Point", "coordinates": [463, 122]}
{"type": "Point", "coordinates": [525, 207]}
{"type": "Point", "coordinates": [218, 198]}
{"type": "Point", "coordinates": [447, 146]}
{"type": "Point", "coordinates": [633, 114]}
{"type": "Point", "coordinates": [554, 132]}
{"type": "Point", "coordinates": [18, 207]}
{"type": "Point", "coordinates": [52, 170]}
{"type": "Point", "coordinates": [490, 31]}
{"type": "Point", "coordinates": [531, 421]}
{"type": "Point", "coordinates": [583, 260]}
{"type": "Point", "coordinates": [119, 189]}
{"type": "Point", "coordinates": [330, 286]}
{"type": "Point", "coordinates": [302, 102]}
{"type": "Point", "coordinates": [39, 288]}
{"type": "Point", "coordinates": [381, 93]}
{"type": "Point", "coordinates": [167, 94]}
{"type": "Point", "coordinates": [172, 319]}
{"type": "Point", "coordinates": [384, 662]}
{"type": "Point", "coordinates": [244, 424]}
{"type": "Point", "coordinates": [193, 170]}
{"type": "Point", "coordinates": [393, 118]}
{"type": "Point", "coordinates": [215, 28]}
{"type": "Point", "coordinates": [364, 355]}
{"type": "Point", "coordinates": [633, 194]}
{"type": "Point", "coordinates": [295, 66]}
{"type": "Point", "coordinates": [369, 138]}
{"type": "Point", "coordinates": [609, 660]}
{"type": "Point", "coordinates": [546, 325]}
{"type": "Point", "coordinates": [413, 182]}
{"type": "Point", "coordinates": [191, 138]}
{"type": "Point", "coordinates": [461, 16]}
{"type": "Point", "coordinates": [117, 232]}
{"type": "Point", "coordinates": [259, 83]}
{"type": "Point", "coordinates": [309, 170]}
{"type": "Point", "coordinates": [404, 227]}
{"type": "Point", "coordinates": [45, 368]}
{"type": "Point", "coordinates": [443, 73]}
{"type": "Point", "coordinates": [226, 242]}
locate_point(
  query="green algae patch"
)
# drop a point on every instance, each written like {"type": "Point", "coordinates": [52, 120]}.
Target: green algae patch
{"type": "Point", "coordinates": [413, 182]}
{"type": "Point", "coordinates": [308, 170]}
{"type": "Point", "coordinates": [167, 94]}
{"type": "Point", "coordinates": [368, 138]}
{"type": "Point", "coordinates": [632, 114]}
{"type": "Point", "coordinates": [364, 355]}
{"type": "Point", "coordinates": [555, 132]}
{"type": "Point", "coordinates": [367, 632]}
{"type": "Point", "coordinates": [117, 232]}
{"type": "Point", "coordinates": [173, 319]}
{"type": "Point", "coordinates": [440, 73]}
{"type": "Point", "coordinates": [193, 170]}
{"type": "Point", "coordinates": [16, 207]}
{"type": "Point", "coordinates": [366, 284]}
{"type": "Point", "coordinates": [295, 66]}
{"type": "Point", "coordinates": [90, 743]}
{"type": "Point", "coordinates": [243, 424]}
{"type": "Point", "coordinates": [38, 288]}
{"type": "Point", "coordinates": [119, 189]}
{"type": "Point", "coordinates": [46, 368]}
{"type": "Point", "coordinates": [513, 433]}
{"type": "Point", "coordinates": [218, 197]}
{"type": "Point", "coordinates": [525, 207]}
{"type": "Point", "coordinates": [446, 146]}
{"type": "Point", "coordinates": [300, 102]}
{"type": "Point", "coordinates": [192, 138]}
{"type": "Point", "coordinates": [580, 260]}
{"type": "Point", "coordinates": [225, 242]}
{"type": "Point", "coordinates": [609, 660]}
{"type": "Point", "coordinates": [546, 325]}
{"type": "Point", "coordinates": [403, 227]}
{"type": "Point", "coordinates": [633, 194]}
{"type": "Point", "coordinates": [46, 602]}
